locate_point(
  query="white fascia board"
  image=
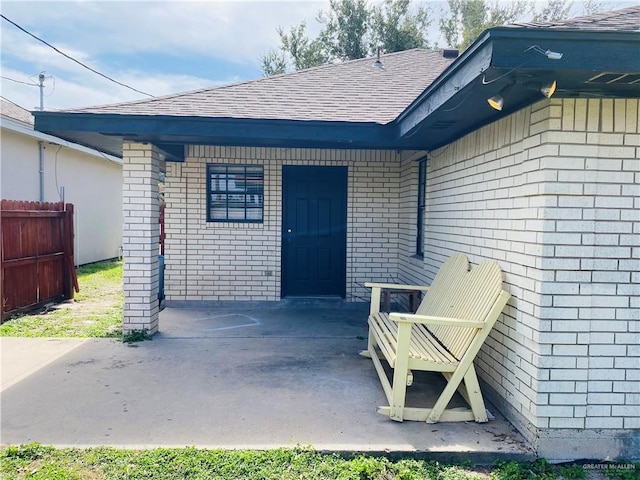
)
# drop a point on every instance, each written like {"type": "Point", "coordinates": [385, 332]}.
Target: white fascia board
{"type": "Point", "coordinates": [25, 129]}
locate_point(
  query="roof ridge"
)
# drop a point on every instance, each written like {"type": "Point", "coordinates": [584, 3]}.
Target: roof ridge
{"type": "Point", "coordinates": [573, 22]}
{"type": "Point", "coordinates": [249, 82]}
{"type": "Point", "coordinates": [602, 15]}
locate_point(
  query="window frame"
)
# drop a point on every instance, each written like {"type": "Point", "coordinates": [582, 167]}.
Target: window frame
{"type": "Point", "coordinates": [227, 193]}
{"type": "Point", "coordinates": [421, 204]}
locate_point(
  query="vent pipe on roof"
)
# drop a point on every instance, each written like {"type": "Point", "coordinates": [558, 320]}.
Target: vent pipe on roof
{"type": "Point", "coordinates": [378, 63]}
{"type": "Point", "coordinates": [449, 52]}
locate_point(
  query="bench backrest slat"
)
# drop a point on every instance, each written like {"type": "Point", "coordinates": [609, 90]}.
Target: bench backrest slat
{"type": "Point", "coordinates": [459, 293]}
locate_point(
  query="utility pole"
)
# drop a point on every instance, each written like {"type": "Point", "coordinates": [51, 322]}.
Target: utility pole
{"type": "Point", "coordinates": [41, 143]}
{"type": "Point", "coordinates": [41, 85]}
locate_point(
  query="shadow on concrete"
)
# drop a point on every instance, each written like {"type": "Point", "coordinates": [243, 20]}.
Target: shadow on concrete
{"type": "Point", "coordinates": [262, 376]}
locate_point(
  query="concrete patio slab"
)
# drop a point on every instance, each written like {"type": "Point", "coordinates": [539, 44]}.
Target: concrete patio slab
{"type": "Point", "coordinates": [260, 377]}
{"type": "Point", "coordinates": [22, 357]}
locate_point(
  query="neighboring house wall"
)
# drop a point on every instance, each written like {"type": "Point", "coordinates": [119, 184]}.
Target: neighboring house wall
{"type": "Point", "coordinates": [19, 157]}
{"type": "Point", "coordinates": [92, 183]}
{"type": "Point", "coordinates": [238, 261]}
{"type": "Point", "coordinates": [552, 194]}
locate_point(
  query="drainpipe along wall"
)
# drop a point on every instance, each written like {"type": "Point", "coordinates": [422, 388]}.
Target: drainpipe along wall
{"type": "Point", "coordinates": [41, 158]}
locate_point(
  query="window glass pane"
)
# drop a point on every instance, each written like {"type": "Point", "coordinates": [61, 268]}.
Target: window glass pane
{"type": "Point", "coordinates": [422, 184]}
{"type": "Point", "coordinates": [254, 214]}
{"type": "Point", "coordinates": [236, 179]}
{"type": "Point", "coordinates": [218, 213]}
{"type": "Point", "coordinates": [236, 192]}
{"type": "Point", "coordinates": [218, 182]}
{"type": "Point", "coordinates": [236, 201]}
{"type": "Point", "coordinates": [218, 200]}
{"type": "Point", "coordinates": [236, 213]}
{"type": "Point", "coordinates": [254, 201]}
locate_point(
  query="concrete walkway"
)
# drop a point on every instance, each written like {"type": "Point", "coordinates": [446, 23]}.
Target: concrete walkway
{"type": "Point", "coordinates": [229, 378]}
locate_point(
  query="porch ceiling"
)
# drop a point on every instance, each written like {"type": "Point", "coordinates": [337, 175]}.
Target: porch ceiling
{"type": "Point", "coordinates": [454, 104]}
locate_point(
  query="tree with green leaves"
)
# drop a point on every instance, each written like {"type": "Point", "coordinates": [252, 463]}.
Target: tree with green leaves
{"type": "Point", "coordinates": [346, 26]}
{"type": "Point", "coordinates": [395, 26]}
{"type": "Point", "coordinates": [354, 29]}
{"type": "Point", "coordinates": [592, 6]}
{"type": "Point", "coordinates": [351, 29]}
{"type": "Point", "coordinates": [554, 10]}
{"type": "Point", "coordinates": [467, 19]}
{"type": "Point", "coordinates": [273, 63]}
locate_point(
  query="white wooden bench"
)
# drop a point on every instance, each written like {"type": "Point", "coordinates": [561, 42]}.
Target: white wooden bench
{"type": "Point", "coordinates": [444, 335]}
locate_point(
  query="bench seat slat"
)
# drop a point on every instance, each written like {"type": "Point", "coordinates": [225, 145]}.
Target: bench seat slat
{"type": "Point", "coordinates": [423, 346]}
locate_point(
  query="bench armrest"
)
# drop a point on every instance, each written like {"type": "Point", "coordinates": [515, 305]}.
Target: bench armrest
{"type": "Point", "coordinates": [429, 320]}
{"type": "Point", "coordinates": [396, 286]}
{"type": "Point", "coordinates": [376, 289]}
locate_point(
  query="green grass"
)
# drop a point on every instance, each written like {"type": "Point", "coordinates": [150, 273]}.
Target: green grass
{"type": "Point", "coordinates": [39, 462]}
{"type": "Point", "coordinates": [35, 461]}
{"type": "Point", "coordinates": [96, 310]}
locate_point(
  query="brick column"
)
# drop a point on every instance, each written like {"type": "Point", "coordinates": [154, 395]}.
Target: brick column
{"type": "Point", "coordinates": [140, 236]}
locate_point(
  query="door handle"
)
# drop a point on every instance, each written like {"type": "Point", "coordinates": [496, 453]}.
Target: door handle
{"type": "Point", "coordinates": [288, 230]}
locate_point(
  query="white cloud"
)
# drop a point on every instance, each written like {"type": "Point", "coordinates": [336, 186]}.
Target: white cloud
{"type": "Point", "coordinates": [96, 33]}
{"type": "Point", "coordinates": [237, 30]}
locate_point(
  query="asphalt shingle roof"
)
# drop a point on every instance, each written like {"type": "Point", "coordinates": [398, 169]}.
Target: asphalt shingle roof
{"type": "Point", "coordinates": [353, 91]}
{"type": "Point", "coordinates": [16, 112]}
{"type": "Point", "coordinates": [625, 19]}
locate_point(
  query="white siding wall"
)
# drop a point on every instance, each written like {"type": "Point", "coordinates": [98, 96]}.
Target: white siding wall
{"type": "Point", "coordinates": [552, 194]}
{"type": "Point", "coordinates": [92, 184]}
{"type": "Point", "coordinates": [20, 165]}
{"type": "Point", "coordinates": [235, 261]}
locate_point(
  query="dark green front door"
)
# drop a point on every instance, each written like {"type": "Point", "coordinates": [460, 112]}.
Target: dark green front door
{"type": "Point", "coordinates": [314, 231]}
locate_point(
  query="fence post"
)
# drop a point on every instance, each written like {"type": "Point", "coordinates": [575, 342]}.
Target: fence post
{"type": "Point", "coordinates": [71, 278]}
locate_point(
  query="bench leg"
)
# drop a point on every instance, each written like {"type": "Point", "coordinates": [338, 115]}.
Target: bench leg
{"type": "Point", "coordinates": [445, 397]}
{"type": "Point", "coordinates": [469, 389]}
{"type": "Point", "coordinates": [474, 395]}
{"type": "Point", "coordinates": [400, 373]}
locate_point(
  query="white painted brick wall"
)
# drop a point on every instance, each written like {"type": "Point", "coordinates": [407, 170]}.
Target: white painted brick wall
{"type": "Point", "coordinates": [140, 236]}
{"type": "Point", "coordinates": [236, 261]}
{"type": "Point", "coordinates": [552, 194]}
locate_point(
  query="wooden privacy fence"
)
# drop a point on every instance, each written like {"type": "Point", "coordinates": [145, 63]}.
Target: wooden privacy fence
{"type": "Point", "coordinates": [36, 264]}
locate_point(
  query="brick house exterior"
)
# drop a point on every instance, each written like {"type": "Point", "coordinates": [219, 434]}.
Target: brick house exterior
{"type": "Point", "coordinates": [554, 198]}
{"type": "Point", "coordinates": [548, 188]}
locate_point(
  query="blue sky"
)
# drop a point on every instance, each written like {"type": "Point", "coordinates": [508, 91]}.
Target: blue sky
{"type": "Point", "coordinates": [159, 47]}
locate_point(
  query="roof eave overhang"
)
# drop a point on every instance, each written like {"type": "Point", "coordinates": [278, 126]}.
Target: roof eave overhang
{"type": "Point", "coordinates": [107, 131]}
{"type": "Point", "coordinates": [27, 130]}
{"type": "Point", "coordinates": [502, 53]}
